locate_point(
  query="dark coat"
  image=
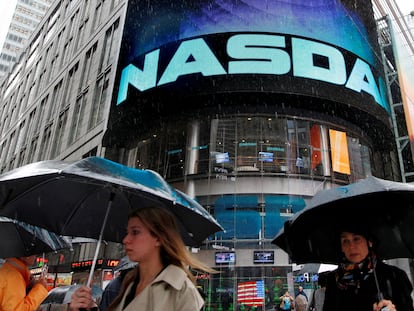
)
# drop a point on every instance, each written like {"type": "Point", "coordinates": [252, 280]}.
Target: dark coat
{"type": "Point", "coordinates": [112, 290]}
{"type": "Point", "coordinates": [393, 282]}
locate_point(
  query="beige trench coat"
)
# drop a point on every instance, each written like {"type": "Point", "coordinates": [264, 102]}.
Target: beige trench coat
{"type": "Point", "coordinates": [171, 290]}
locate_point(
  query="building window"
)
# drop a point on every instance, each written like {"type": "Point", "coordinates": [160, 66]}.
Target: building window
{"type": "Point", "coordinates": [3, 153]}
{"type": "Point", "coordinates": [100, 99]}
{"type": "Point", "coordinates": [21, 140]}
{"type": "Point", "coordinates": [38, 76]}
{"type": "Point", "coordinates": [70, 91]}
{"type": "Point", "coordinates": [32, 149]}
{"type": "Point", "coordinates": [107, 55]}
{"type": "Point", "coordinates": [87, 66]}
{"type": "Point", "coordinates": [77, 126]}
{"type": "Point", "coordinates": [98, 14]}
{"type": "Point", "coordinates": [11, 146]}
{"type": "Point", "coordinates": [22, 156]}
{"type": "Point", "coordinates": [69, 38]}
{"type": "Point", "coordinates": [42, 109]}
{"type": "Point", "coordinates": [49, 56]}
{"type": "Point", "coordinates": [55, 101]}
{"type": "Point", "coordinates": [59, 134]}
{"type": "Point", "coordinates": [44, 148]}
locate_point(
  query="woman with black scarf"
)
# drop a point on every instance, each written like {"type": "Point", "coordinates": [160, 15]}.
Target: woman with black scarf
{"type": "Point", "coordinates": [364, 283]}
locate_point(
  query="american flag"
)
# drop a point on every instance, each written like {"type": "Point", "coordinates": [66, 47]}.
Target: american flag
{"type": "Point", "coordinates": [251, 293]}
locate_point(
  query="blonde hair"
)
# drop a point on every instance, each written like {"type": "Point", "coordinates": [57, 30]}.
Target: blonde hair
{"type": "Point", "coordinates": [162, 224]}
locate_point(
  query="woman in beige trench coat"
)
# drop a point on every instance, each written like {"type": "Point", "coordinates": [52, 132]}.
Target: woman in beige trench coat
{"type": "Point", "coordinates": [162, 280]}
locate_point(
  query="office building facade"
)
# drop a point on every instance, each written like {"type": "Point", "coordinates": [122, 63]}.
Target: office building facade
{"type": "Point", "coordinates": [26, 17]}
{"type": "Point", "coordinates": [249, 107]}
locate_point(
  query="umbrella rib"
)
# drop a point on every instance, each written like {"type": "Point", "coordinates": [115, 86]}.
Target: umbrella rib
{"type": "Point", "coordinates": [23, 193]}
{"type": "Point", "coordinates": [6, 198]}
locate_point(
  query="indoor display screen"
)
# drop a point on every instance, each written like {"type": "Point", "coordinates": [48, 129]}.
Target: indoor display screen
{"type": "Point", "coordinates": [265, 156]}
{"type": "Point", "coordinates": [225, 257]}
{"type": "Point", "coordinates": [222, 157]}
{"type": "Point", "coordinates": [264, 257]}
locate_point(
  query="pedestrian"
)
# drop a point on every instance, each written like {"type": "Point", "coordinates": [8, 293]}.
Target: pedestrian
{"type": "Point", "coordinates": [114, 287]}
{"type": "Point", "coordinates": [162, 279]}
{"type": "Point", "coordinates": [362, 282]}
{"type": "Point", "coordinates": [300, 303]}
{"type": "Point", "coordinates": [287, 301]}
{"type": "Point", "coordinates": [318, 297]}
{"type": "Point", "coordinates": [301, 292]}
{"type": "Point", "coordinates": [18, 292]}
{"type": "Point", "coordinates": [301, 300]}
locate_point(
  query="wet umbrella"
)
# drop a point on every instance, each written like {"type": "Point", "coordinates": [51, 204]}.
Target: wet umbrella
{"type": "Point", "coordinates": [19, 239]}
{"type": "Point", "coordinates": [92, 197]}
{"type": "Point", "coordinates": [383, 208]}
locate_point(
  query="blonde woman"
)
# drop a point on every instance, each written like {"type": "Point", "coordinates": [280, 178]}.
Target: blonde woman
{"type": "Point", "coordinates": [162, 280]}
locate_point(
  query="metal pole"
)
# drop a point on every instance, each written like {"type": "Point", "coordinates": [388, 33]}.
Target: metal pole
{"type": "Point", "coordinates": [95, 257]}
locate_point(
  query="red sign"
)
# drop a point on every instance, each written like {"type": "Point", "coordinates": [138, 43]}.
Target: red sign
{"type": "Point", "coordinates": [86, 263]}
{"type": "Point", "coordinates": [111, 263]}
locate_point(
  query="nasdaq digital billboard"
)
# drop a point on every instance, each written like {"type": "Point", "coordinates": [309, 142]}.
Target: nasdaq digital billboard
{"type": "Point", "coordinates": [323, 49]}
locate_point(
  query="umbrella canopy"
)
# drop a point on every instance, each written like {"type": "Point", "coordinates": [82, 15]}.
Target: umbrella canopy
{"type": "Point", "coordinates": [19, 239]}
{"type": "Point", "coordinates": [78, 198]}
{"type": "Point", "coordinates": [381, 208]}
{"type": "Point", "coordinates": [71, 198]}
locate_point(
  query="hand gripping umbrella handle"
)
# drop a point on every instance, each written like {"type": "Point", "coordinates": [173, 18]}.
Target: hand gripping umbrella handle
{"type": "Point", "coordinates": [98, 246]}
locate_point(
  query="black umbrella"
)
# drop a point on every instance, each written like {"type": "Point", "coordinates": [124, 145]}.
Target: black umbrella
{"type": "Point", "coordinates": [384, 209]}
{"type": "Point", "coordinates": [19, 239]}
{"type": "Point", "coordinates": [77, 199]}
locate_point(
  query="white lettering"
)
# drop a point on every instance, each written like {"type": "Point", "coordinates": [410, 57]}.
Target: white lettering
{"type": "Point", "coordinates": [303, 61]}
{"type": "Point", "coordinates": [255, 54]}
{"type": "Point", "coordinates": [204, 62]}
{"type": "Point", "coordinates": [362, 79]}
{"type": "Point", "coordinates": [259, 54]}
{"type": "Point", "coordinates": [140, 79]}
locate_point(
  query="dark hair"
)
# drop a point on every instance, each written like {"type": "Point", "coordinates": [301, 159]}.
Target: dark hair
{"type": "Point", "coordinates": [355, 228]}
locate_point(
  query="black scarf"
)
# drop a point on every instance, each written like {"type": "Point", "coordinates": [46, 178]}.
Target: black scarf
{"type": "Point", "coordinates": [350, 275]}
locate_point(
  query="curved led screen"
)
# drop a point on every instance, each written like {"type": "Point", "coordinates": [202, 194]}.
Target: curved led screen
{"type": "Point", "coordinates": [324, 49]}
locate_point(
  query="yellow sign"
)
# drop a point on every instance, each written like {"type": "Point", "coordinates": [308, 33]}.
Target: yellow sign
{"type": "Point", "coordinates": [339, 152]}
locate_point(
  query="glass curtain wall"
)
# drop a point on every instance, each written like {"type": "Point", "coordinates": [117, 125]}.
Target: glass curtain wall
{"type": "Point", "coordinates": [243, 145]}
{"type": "Point", "coordinates": [260, 149]}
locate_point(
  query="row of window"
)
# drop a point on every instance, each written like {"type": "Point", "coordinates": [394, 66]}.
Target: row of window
{"type": "Point", "coordinates": [15, 38]}
{"type": "Point", "coordinates": [3, 68]}
{"type": "Point", "coordinates": [7, 57]}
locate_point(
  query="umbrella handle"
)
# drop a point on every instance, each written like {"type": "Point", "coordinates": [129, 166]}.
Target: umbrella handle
{"type": "Point", "coordinates": [380, 295]}
{"type": "Point", "coordinates": [98, 246]}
